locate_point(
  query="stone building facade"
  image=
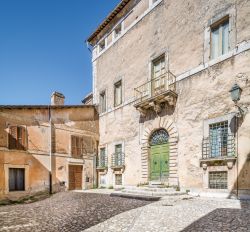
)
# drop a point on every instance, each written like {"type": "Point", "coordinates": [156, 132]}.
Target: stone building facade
{"type": "Point", "coordinates": [36, 141]}
{"type": "Point", "coordinates": [162, 72]}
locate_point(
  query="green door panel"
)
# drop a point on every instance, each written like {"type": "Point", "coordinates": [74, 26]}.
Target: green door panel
{"type": "Point", "coordinates": [159, 162]}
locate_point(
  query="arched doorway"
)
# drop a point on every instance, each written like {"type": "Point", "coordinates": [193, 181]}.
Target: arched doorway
{"type": "Point", "coordinates": [159, 155]}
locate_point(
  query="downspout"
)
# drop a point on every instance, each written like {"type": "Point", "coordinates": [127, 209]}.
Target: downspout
{"type": "Point", "coordinates": [50, 151]}
{"type": "Point", "coordinates": [237, 159]}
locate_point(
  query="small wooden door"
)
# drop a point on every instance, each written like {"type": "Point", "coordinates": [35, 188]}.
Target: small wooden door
{"type": "Point", "coordinates": [159, 162]}
{"type": "Point", "coordinates": [75, 177]}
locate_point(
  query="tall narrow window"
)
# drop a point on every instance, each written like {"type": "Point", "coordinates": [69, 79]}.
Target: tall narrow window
{"type": "Point", "coordinates": [76, 146]}
{"type": "Point", "coordinates": [102, 160]}
{"type": "Point", "coordinates": [103, 102]}
{"type": "Point", "coordinates": [16, 179]}
{"type": "Point", "coordinates": [118, 93]}
{"type": "Point", "coordinates": [119, 155]}
{"type": "Point", "coordinates": [118, 31]}
{"type": "Point", "coordinates": [102, 45]}
{"type": "Point", "coordinates": [159, 67]}
{"type": "Point", "coordinates": [218, 136]}
{"type": "Point", "coordinates": [17, 138]}
{"type": "Point", "coordinates": [220, 39]}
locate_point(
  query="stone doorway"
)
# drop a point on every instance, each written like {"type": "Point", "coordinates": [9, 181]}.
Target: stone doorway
{"type": "Point", "coordinates": [159, 156]}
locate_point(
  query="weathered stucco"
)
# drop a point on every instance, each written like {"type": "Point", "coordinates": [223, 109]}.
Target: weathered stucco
{"type": "Point", "coordinates": [66, 121]}
{"type": "Point", "coordinates": [177, 28]}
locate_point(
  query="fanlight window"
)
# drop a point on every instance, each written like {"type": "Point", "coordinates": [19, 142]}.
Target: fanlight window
{"type": "Point", "coordinates": [159, 137]}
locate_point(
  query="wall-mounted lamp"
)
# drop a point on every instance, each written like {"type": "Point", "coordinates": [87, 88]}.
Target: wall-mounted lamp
{"type": "Point", "coordinates": [235, 92]}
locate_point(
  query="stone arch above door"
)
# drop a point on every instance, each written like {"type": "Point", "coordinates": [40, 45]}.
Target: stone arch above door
{"type": "Point", "coordinates": [171, 129]}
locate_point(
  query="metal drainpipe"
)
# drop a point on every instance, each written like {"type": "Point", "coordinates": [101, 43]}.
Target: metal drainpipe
{"type": "Point", "coordinates": [237, 150]}
{"type": "Point", "coordinates": [50, 151]}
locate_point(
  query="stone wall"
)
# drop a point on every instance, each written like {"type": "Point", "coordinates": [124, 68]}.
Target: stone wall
{"type": "Point", "coordinates": [66, 121]}
{"type": "Point", "coordinates": [177, 28]}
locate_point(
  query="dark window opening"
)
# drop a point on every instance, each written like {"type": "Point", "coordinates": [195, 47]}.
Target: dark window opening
{"type": "Point", "coordinates": [17, 138]}
{"type": "Point", "coordinates": [16, 179]}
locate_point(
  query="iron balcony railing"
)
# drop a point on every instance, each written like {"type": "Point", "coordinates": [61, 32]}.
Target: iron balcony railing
{"type": "Point", "coordinates": [102, 161]}
{"type": "Point", "coordinates": [155, 87]}
{"type": "Point", "coordinates": [219, 146]}
{"type": "Point", "coordinates": [118, 159]}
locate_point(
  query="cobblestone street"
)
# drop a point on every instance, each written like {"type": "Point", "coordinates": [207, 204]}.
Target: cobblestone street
{"type": "Point", "coordinates": [69, 211]}
{"type": "Point", "coordinates": [78, 211]}
{"type": "Point", "coordinates": [184, 213]}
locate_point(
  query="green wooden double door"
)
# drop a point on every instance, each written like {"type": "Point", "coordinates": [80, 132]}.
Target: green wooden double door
{"type": "Point", "coordinates": [159, 162]}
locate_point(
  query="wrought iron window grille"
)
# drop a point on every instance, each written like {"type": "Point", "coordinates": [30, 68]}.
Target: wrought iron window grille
{"type": "Point", "coordinates": [220, 142]}
{"type": "Point", "coordinates": [118, 159]}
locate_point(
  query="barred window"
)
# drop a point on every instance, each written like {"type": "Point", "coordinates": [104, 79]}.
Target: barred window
{"type": "Point", "coordinates": [102, 159]}
{"type": "Point", "coordinates": [118, 179]}
{"type": "Point", "coordinates": [218, 180]}
{"type": "Point", "coordinates": [218, 136]}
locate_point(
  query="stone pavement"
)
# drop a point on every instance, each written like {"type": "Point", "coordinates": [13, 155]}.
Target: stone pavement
{"type": "Point", "coordinates": [182, 213]}
{"type": "Point", "coordinates": [68, 211]}
{"type": "Point", "coordinates": [91, 212]}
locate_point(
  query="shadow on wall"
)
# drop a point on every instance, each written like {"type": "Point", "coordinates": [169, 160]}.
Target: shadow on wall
{"type": "Point", "coordinates": [151, 115]}
{"type": "Point", "coordinates": [37, 178]}
{"type": "Point", "coordinates": [229, 219]}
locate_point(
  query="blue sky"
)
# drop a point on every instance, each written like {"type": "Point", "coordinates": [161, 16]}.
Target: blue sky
{"type": "Point", "coordinates": [42, 48]}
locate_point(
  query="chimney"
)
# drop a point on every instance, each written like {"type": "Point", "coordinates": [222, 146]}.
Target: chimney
{"type": "Point", "coordinates": [57, 99]}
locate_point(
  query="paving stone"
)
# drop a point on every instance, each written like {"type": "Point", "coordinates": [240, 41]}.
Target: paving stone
{"type": "Point", "coordinates": [69, 211]}
{"type": "Point", "coordinates": [182, 214]}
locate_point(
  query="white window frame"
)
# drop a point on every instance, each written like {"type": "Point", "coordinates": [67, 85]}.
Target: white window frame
{"type": "Point", "coordinates": [219, 26]}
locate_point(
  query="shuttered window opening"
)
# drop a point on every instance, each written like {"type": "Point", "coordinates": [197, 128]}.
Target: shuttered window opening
{"type": "Point", "coordinates": [16, 179]}
{"type": "Point", "coordinates": [77, 146]}
{"type": "Point", "coordinates": [17, 138]}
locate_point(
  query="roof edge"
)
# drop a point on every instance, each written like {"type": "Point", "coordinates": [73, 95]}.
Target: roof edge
{"type": "Point", "coordinates": [44, 106]}
{"type": "Point", "coordinates": [106, 21]}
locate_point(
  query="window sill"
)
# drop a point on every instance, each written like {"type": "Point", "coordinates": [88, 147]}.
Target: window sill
{"type": "Point", "coordinates": [16, 192]}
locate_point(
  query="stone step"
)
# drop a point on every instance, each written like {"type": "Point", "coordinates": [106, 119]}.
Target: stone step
{"type": "Point", "coordinates": [149, 189]}
{"type": "Point", "coordinates": [153, 193]}
{"type": "Point", "coordinates": [135, 196]}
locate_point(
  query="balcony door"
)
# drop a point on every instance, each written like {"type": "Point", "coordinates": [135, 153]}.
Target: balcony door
{"type": "Point", "coordinates": [158, 77]}
{"type": "Point", "coordinates": [159, 156]}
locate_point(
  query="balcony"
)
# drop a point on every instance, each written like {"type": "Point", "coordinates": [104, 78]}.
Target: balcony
{"type": "Point", "coordinates": [218, 149]}
{"type": "Point", "coordinates": [118, 161]}
{"type": "Point", "coordinates": [102, 163]}
{"type": "Point", "coordinates": [155, 93]}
